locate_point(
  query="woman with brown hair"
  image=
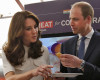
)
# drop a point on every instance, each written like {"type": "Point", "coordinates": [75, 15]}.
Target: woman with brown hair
{"type": "Point", "coordinates": [24, 57]}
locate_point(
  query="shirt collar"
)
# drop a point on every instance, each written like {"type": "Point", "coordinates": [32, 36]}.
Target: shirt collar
{"type": "Point", "coordinates": [89, 35]}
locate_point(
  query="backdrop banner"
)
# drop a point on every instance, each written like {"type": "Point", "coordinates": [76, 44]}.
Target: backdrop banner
{"type": "Point", "coordinates": [54, 15]}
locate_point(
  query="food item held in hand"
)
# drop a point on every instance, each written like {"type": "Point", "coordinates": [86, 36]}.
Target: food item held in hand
{"type": "Point", "coordinates": [58, 54]}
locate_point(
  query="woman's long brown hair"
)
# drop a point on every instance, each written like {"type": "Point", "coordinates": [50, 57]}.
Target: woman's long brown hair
{"type": "Point", "coordinates": [14, 49]}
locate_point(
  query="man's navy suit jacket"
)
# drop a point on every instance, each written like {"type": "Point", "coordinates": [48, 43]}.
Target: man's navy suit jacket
{"type": "Point", "coordinates": [92, 58]}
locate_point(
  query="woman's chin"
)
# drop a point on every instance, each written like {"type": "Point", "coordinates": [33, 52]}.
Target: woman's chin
{"type": "Point", "coordinates": [33, 41]}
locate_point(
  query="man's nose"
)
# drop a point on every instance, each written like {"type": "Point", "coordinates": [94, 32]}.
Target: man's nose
{"type": "Point", "coordinates": [71, 23]}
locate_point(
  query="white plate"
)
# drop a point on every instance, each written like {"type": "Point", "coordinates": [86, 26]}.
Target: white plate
{"type": "Point", "coordinates": [66, 74]}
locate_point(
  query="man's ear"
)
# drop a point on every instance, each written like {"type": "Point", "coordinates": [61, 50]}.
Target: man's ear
{"type": "Point", "coordinates": [89, 19]}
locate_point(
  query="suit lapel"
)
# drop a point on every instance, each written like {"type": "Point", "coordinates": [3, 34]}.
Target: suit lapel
{"type": "Point", "coordinates": [74, 44]}
{"type": "Point", "coordinates": [91, 46]}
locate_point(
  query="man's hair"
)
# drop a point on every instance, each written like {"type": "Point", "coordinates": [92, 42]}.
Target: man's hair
{"type": "Point", "coordinates": [87, 9]}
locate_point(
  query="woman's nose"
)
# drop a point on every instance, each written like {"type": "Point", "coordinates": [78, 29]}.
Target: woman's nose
{"type": "Point", "coordinates": [34, 30]}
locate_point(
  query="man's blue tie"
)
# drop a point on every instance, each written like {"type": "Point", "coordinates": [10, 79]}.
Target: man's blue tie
{"type": "Point", "coordinates": [81, 48]}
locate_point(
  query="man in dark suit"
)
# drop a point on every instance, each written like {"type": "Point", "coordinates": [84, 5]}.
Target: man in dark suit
{"type": "Point", "coordinates": [72, 61]}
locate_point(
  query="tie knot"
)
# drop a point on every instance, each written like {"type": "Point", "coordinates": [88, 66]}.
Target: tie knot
{"type": "Point", "coordinates": [83, 38]}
